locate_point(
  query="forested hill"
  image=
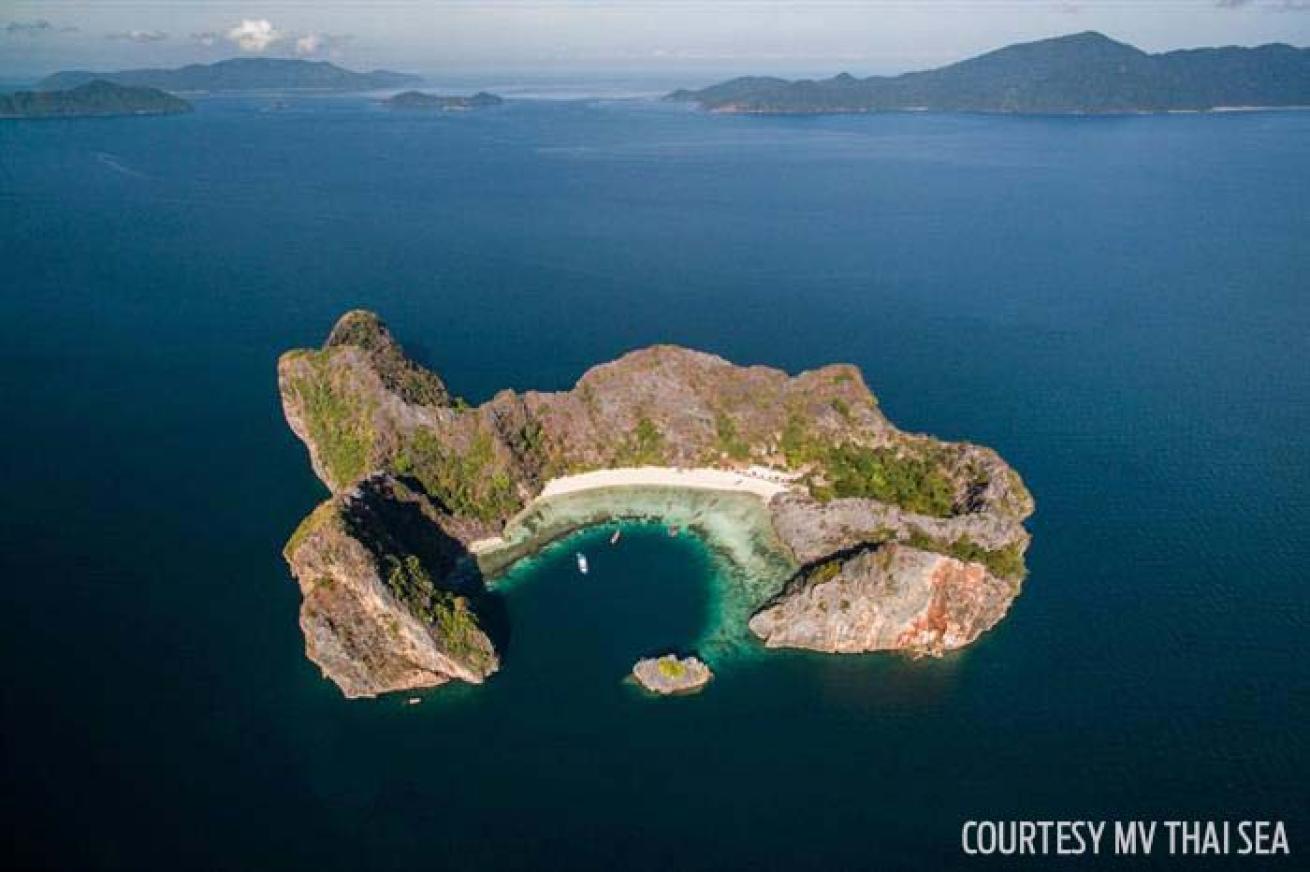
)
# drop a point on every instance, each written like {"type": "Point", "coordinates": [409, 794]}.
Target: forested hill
{"type": "Point", "coordinates": [1080, 73]}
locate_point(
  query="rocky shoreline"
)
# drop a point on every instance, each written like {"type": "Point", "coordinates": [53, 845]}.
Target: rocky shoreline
{"type": "Point", "coordinates": [893, 541]}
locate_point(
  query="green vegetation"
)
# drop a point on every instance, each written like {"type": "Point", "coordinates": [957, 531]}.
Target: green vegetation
{"type": "Point", "coordinates": [911, 476]}
{"type": "Point", "coordinates": [414, 384]}
{"type": "Point", "coordinates": [826, 571]}
{"type": "Point", "coordinates": [841, 407]}
{"type": "Point", "coordinates": [671, 668]}
{"type": "Point", "coordinates": [916, 483]}
{"type": "Point", "coordinates": [311, 522]}
{"type": "Point", "coordinates": [447, 612]}
{"type": "Point", "coordinates": [645, 447]}
{"type": "Point", "coordinates": [338, 423]}
{"type": "Point", "coordinates": [795, 443]}
{"type": "Point", "coordinates": [1004, 562]}
{"type": "Point", "coordinates": [729, 441]}
{"type": "Point", "coordinates": [467, 484]}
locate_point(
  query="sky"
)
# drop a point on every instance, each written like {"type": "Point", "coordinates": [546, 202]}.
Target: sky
{"type": "Point", "coordinates": [818, 37]}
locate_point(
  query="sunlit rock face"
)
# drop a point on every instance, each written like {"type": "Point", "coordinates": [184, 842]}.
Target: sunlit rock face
{"type": "Point", "coordinates": [888, 598]}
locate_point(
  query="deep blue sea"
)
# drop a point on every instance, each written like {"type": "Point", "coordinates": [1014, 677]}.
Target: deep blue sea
{"type": "Point", "coordinates": [1120, 306]}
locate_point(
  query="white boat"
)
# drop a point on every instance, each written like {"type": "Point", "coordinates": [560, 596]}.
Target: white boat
{"type": "Point", "coordinates": [582, 563]}
{"type": "Point", "coordinates": [615, 538]}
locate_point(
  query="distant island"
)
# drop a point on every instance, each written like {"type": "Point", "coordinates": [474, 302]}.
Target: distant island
{"type": "Point", "coordinates": [1083, 73]}
{"type": "Point", "coordinates": [95, 99]}
{"type": "Point", "coordinates": [867, 538]}
{"type": "Point", "coordinates": [240, 74]}
{"type": "Point", "coordinates": [420, 100]}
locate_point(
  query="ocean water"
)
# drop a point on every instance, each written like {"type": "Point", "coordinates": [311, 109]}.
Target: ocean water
{"type": "Point", "coordinates": [748, 564]}
{"type": "Point", "coordinates": [1118, 305]}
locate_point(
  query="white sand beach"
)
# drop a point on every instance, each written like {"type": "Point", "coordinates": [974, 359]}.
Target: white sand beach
{"type": "Point", "coordinates": [764, 483]}
{"type": "Point", "coordinates": [757, 480]}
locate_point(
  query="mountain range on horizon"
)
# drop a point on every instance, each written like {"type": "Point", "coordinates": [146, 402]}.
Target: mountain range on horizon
{"type": "Point", "coordinates": [1082, 73]}
{"type": "Point", "coordinates": [239, 74]}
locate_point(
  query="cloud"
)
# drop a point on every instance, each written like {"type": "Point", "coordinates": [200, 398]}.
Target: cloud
{"type": "Point", "coordinates": [315, 43]}
{"type": "Point", "coordinates": [206, 38]}
{"type": "Point", "coordinates": [254, 34]}
{"type": "Point", "coordinates": [139, 36]}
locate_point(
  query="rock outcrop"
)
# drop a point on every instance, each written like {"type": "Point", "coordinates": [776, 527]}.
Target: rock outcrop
{"type": "Point", "coordinates": [922, 539]}
{"type": "Point", "coordinates": [886, 598]}
{"type": "Point", "coordinates": [671, 674]}
{"type": "Point", "coordinates": [385, 607]}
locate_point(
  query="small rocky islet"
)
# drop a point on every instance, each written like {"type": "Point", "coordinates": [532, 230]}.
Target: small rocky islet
{"type": "Point", "coordinates": [895, 541]}
{"type": "Point", "coordinates": [671, 674]}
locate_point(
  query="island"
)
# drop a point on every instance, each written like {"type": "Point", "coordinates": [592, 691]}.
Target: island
{"type": "Point", "coordinates": [239, 74]}
{"type": "Point", "coordinates": [95, 99]}
{"type": "Point", "coordinates": [1083, 73]}
{"type": "Point", "coordinates": [849, 534]}
{"type": "Point", "coordinates": [420, 100]}
{"type": "Point", "coordinates": [671, 674]}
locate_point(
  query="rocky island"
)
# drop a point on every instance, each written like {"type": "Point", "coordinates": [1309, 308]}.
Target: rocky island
{"type": "Point", "coordinates": [421, 100]}
{"type": "Point", "coordinates": [671, 674]}
{"type": "Point", "coordinates": [866, 538]}
{"type": "Point", "coordinates": [95, 99]}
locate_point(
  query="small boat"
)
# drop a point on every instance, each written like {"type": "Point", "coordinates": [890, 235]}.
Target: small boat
{"type": "Point", "coordinates": [615, 538]}
{"type": "Point", "coordinates": [673, 531]}
{"type": "Point", "coordinates": [413, 700]}
{"type": "Point", "coordinates": [582, 563]}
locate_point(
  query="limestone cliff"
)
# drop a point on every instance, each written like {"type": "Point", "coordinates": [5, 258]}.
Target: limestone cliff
{"type": "Point", "coordinates": [942, 519]}
{"type": "Point", "coordinates": [888, 598]}
{"type": "Point", "coordinates": [384, 605]}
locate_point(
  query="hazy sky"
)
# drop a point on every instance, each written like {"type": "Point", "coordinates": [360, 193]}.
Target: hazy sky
{"type": "Point", "coordinates": [819, 36]}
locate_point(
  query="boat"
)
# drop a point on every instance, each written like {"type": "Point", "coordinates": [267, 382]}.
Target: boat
{"type": "Point", "coordinates": [582, 563]}
{"type": "Point", "coordinates": [673, 531]}
{"type": "Point", "coordinates": [615, 538]}
{"type": "Point", "coordinates": [413, 700]}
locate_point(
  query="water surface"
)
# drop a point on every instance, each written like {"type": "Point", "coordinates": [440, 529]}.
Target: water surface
{"type": "Point", "coordinates": [1118, 305]}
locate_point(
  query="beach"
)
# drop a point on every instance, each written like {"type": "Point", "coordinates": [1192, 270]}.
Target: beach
{"type": "Point", "coordinates": [757, 481]}
{"type": "Point", "coordinates": [763, 483]}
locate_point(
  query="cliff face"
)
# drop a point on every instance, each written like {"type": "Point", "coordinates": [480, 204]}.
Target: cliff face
{"type": "Point", "coordinates": [943, 519]}
{"type": "Point", "coordinates": [384, 606]}
{"type": "Point", "coordinates": [888, 598]}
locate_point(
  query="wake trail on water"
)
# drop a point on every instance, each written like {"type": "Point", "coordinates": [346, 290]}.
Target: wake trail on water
{"type": "Point", "coordinates": [118, 166]}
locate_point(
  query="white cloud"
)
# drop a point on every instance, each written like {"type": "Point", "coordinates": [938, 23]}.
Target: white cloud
{"type": "Point", "coordinates": [207, 38]}
{"type": "Point", "coordinates": [139, 35]}
{"type": "Point", "coordinates": [254, 34]}
{"type": "Point", "coordinates": [316, 43]}
{"type": "Point", "coordinates": [309, 44]}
